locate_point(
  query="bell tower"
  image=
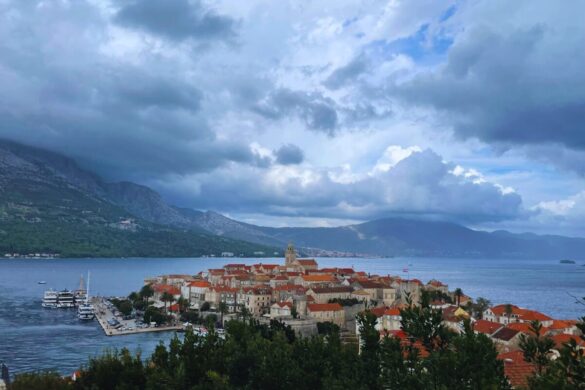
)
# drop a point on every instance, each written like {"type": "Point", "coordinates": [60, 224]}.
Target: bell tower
{"type": "Point", "coordinates": [290, 255]}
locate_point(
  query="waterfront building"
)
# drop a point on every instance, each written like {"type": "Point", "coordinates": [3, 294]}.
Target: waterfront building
{"type": "Point", "coordinates": [327, 312]}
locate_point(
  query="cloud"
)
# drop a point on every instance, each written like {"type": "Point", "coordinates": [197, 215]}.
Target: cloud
{"type": "Point", "coordinates": [344, 74]}
{"type": "Point", "coordinates": [289, 155]}
{"type": "Point", "coordinates": [420, 185]}
{"type": "Point", "coordinates": [177, 20]}
{"type": "Point", "coordinates": [316, 111]}
{"type": "Point", "coordinates": [510, 81]}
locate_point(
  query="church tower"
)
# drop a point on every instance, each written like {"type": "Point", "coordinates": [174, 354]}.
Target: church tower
{"type": "Point", "coordinates": [290, 255]}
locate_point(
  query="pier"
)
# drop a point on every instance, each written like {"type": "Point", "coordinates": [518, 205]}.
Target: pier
{"type": "Point", "coordinates": [103, 314]}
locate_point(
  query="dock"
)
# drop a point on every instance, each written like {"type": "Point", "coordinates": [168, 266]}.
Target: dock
{"type": "Point", "coordinates": [103, 313]}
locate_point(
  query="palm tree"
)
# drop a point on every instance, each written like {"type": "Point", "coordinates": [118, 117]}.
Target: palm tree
{"type": "Point", "coordinates": [458, 293]}
{"type": "Point", "coordinates": [508, 309]}
{"type": "Point", "coordinates": [183, 304]}
{"type": "Point", "coordinates": [223, 308]}
{"type": "Point", "coordinates": [146, 292]}
{"type": "Point", "coordinates": [167, 297]}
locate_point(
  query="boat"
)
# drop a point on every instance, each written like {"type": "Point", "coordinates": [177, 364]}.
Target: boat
{"type": "Point", "coordinates": [567, 261]}
{"type": "Point", "coordinates": [65, 299]}
{"type": "Point", "coordinates": [42, 282]}
{"type": "Point", "coordinates": [85, 311]}
{"type": "Point", "coordinates": [50, 299]}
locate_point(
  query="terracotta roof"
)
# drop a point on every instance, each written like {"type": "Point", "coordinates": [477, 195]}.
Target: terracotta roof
{"type": "Point", "coordinates": [378, 311]}
{"type": "Point", "coordinates": [486, 327]}
{"type": "Point", "coordinates": [532, 315]}
{"type": "Point", "coordinates": [306, 262]}
{"type": "Point", "coordinates": [560, 324]}
{"type": "Point", "coordinates": [369, 284]}
{"type": "Point", "coordinates": [331, 290]}
{"type": "Point", "coordinates": [221, 289]}
{"type": "Point", "coordinates": [524, 327]}
{"type": "Point", "coordinates": [516, 368]}
{"type": "Point", "coordinates": [318, 278]}
{"type": "Point", "coordinates": [505, 334]}
{"type": "Point", "coordinates": [162, 288]}
{"type": "Point", "coordinates": [392, 312]}
{"type": "Point", "coordinates": [199, 283]}
{"type": "Point", "coordinates": [312, 307]}
{"type": "Point", "coordinates": [561, 339]}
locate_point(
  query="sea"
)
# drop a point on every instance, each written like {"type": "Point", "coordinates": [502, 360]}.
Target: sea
{"type": "Point", "coordinates": [33, 338]}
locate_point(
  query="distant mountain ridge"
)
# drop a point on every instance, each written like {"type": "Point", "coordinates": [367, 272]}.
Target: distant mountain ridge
{"type": "Point", "coordinates": [41, 188]}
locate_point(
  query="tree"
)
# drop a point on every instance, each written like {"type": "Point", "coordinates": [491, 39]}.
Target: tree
{"type": "Point", "coordinates": [133, 296]}
{"type": "Point", "coordinates": [183, 304]}
{"type": "Point", "coordinates": [293, 311]}
{"type": "Point", "coordinates": [536, 347]}
{"type": "Point", "coordinates": [458, 294]}
{"type": "Point", "coordinates": [146, 292]}
{"type": "Point", "coordinates": [205, 306]}
{"type": "Point", "coordinates": [481, 304]}
{"type": "Point", "coordinates": [508, 310]}
{"type": "Point", "coordinates": [370, 349]}
{"type": "Point", "coordinates": [167, 297]}
{"type": "Point", "coordinates": [223, 309]}
{"type": "Point", "coordinates": [125, 307]}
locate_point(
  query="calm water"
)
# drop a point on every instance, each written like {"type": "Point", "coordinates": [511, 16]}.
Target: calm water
{"type": "Point", "coordinates": [35, 338]}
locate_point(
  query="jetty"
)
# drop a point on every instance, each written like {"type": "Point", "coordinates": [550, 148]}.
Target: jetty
{"type": "Point", "coordinates": [124, 327]}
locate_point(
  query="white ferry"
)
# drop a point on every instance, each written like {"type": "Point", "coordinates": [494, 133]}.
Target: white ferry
{"type": "Point", "coordinates": [50, 299]}
{"type": "Point", "coordinates": [65, 299]}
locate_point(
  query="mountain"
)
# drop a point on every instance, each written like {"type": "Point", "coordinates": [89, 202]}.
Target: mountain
{"type": "Point", "coordinates": [48, 204]}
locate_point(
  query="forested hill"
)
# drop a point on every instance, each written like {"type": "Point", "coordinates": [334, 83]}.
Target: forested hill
{"type": "Point", "coordinates": [50, 205]}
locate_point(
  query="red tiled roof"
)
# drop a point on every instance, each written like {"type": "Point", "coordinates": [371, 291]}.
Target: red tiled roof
{"type": "Point", "coordinates": [162, 288]}
{"type": "Point", "coordinates": [318, 278]}
{"type": "Point", "coordinates": [324, 307]}
{"type": "Point", "coordinates": [486, 327]}
{"type": "Point", "coordinates": [331, 290]}
{"type": "Point", "coordinates": [392, 312]}
{"type": "Point", "coordinates": [524, 327]}
{"type": "Point", "coordinates": [199, 283]}
{"type": "Point", "coordinates": [306, 262]}
{"type": "Point", "coordinates": [516, 368]}
{"type": "Point", "coordinates": [561, 339]}
{"type": "Point", "coordinates": [284, 304]}
{"type": "Point", "coordinates": [505, 334]}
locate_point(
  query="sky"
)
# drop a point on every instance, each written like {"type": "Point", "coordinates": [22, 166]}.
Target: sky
{"type": "Point", "coordinates": [312, 113]}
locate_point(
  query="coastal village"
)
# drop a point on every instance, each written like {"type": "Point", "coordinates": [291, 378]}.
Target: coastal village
{"type": "Point", "coordinates": [305, 296]}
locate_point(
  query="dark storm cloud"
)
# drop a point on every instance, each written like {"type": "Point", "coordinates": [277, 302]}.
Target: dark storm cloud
{"type": "Point", "coordinates": [176, 20]}
{"type": "Point", "coordinates": [523, 86]}
{"type": "Point", "coordinates": [131, 120]}
{"type": "Point", "coordinates": [317, 111]}
{"type": "Point", "coordinates": [348, 73]}
{"type": "Point", "coordinates": [289, 155]}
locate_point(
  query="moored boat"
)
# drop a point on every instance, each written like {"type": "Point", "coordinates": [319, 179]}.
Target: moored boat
{"type": "Point", "coordinates": [50, 299]}
{"type": "Point", "coordinates": [85, 311]}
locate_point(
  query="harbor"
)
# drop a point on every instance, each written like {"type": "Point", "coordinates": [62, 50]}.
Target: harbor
{"type": "Point", "coordinates": [115, 325]}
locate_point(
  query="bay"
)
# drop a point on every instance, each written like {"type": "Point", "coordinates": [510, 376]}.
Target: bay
{"type": "Point", "coordinates": [33, 338]}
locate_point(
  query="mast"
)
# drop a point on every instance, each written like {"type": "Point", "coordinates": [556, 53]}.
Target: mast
{"type": "Point", "coordinates": [87, 292]}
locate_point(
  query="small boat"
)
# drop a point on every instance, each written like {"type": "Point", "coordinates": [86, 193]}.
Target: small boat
{"type": "Point", "coordinates": [42, 282]}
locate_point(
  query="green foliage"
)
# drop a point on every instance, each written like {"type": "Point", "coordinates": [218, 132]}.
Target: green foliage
{"type": "Point", "coordinates": [40, 381]}
{"type": "Point", "coordinates": [153, 314]}
{"type": "Point", "coordinates": [123, 305]}
{"type": "Point", "coordinates": [270, 356]}
{"type": "Point", "coordinates": [205, 306]}
{"type": "Point", "coordinates": [327, 328]}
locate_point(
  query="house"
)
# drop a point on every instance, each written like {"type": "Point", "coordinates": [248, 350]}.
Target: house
{"type": "Point", "coordinates": [257, 299]}
{"type": "Point", "coordinates": [506, 339]}
{"type": "Point", "coordinates": [325, 294]}
{"type": "Point", "coordinates": [327, 312]}
{"type": "Point", "coordinates": [310, 280]}
{"type": "Point", "coordinates": [374, 289]}
{"type": "Point", "coordinates": [516, 369]}
{"type": "Point", "coordinates": [195, 292]}
{"type": "Point", "coordinates": [435, 285]}
{"type": "Point", "coordinates": [225, 294]}
{"type": "Point", "coordinates": [505, 314]}
{"type": "Point", "coordinates": [281, 309]}
{"type": "Point", "coordinates": [453, 317]}
{"type": "Point", "coordinates": [306, 264]}
{"type": "Point", "coordinates": [391, 319]}
{"type": "Point", "coordinates": [160, 289]}
{"type": "Point", "coordinates": [486, 327]}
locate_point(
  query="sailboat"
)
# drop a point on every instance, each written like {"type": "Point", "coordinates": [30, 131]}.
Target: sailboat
{"type": "Point", "coordinates": [85, 311]}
